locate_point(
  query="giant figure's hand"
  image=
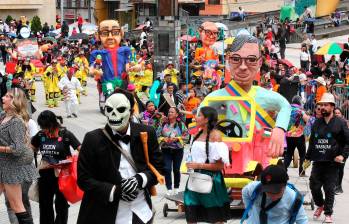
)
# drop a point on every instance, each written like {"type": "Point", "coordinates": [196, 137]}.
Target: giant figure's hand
{"type": "Point", "coordinates": [276, 145]}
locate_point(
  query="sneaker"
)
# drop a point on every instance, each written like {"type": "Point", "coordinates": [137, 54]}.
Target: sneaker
{"type": "Point", "coordinates": [74, 115]}
{"type": "Point", "coordinates": [175, 191]}
{"type": "Point", "coordinates": [69, 116]}
{"type": "Point", "coordinates": [318, 212]}
{"type": "Point", "coordinates": [169, 193]}
{"type": "Point", "coordinates": [328, 219]}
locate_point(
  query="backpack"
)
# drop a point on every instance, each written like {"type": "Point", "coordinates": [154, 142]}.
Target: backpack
{"type": "Point", "coordinates": [297, 203]}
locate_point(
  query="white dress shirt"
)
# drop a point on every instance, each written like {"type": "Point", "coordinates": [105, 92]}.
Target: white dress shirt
{"type": "Point", "coordinates": [138, 206]}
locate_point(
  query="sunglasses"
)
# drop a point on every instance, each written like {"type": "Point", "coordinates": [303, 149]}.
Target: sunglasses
{"type": "Point", "coordinates": [249, 60]}
{"type": "Point", "coordinates": [106, 33]}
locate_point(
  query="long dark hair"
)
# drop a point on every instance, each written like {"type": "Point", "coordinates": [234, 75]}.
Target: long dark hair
{"type": "Point", "coordinates": [211, 114]}
{"type": "Point", "coordinates": [178, 120]}
{"type": "Point", "coordinates": [48, 120]}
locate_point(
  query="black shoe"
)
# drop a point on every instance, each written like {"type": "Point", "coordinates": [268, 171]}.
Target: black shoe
{"type": "Point", "coordinates": [69, 116]}
{"type": "Point", "coordinates": [338, 190]}
{"type": "Point", "coordinates": [24, 218]}
{"type": "Point", "coordinates": [74, 115]}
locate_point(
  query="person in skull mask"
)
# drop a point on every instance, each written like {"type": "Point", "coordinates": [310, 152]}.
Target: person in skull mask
{"type": "Point", "coordinates": [112, 170]}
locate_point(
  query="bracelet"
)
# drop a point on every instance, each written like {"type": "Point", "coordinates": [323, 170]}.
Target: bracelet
{"type": "Point", "coordinates": [5, 149]}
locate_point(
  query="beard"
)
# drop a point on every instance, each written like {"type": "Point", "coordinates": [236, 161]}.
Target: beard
{"type": "Point", "coordinates": [325, 113]}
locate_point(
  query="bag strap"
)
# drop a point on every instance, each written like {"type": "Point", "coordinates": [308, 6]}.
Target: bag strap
{"type": "Point", "coordinates": [127, 156]}
{"type": "Point", "coordinates": [263, 216]}
{"type": "Point", "coordinates": [297, 204]}
{"type": "Point", "coordinates": [254, 195]}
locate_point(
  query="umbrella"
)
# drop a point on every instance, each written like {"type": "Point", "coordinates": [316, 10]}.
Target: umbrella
{"type": "Point", "coordinates": [189, 38]}
{"type": "Point", "coordinates": [229, 40]}
{"type": "Point", "coordinates": [285, 62]}
{"type": "Point", "coordinates": [78, 36]}
{"type": "Point", "coordinates": [330, 48]}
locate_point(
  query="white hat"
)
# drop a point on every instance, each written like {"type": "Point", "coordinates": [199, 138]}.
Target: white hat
{"type": "Point", "coordinates": [321, 80]}
{"type": "Point", "coordinates": [327, 98]}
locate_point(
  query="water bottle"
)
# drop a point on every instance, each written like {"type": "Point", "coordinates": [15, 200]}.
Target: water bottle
{"type": "Point", "coordinates": [189, 160]}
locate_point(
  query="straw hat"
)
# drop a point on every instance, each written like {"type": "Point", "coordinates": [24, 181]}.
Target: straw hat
{"type": "Point", "coordinates": [327, 98]}
{"type": "Point", "coordinates": [321, 80]}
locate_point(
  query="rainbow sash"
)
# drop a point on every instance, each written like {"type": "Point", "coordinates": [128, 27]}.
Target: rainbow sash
{"type": "Point", "coordinates": [264, 119]}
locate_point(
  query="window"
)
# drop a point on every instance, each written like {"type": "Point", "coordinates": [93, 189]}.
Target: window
{"type": "Point", "coordinates": [164, 43]}
{"type": "Point", "coordinates": [214, 2]}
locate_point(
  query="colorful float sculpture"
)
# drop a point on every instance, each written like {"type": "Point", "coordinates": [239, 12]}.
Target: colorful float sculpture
{"type": "Point", "coordinates": [247, 118]}
{"type": "Point", "coordinates": [114, 62]}
{"type": "Point", "coordinates": [206, 65]}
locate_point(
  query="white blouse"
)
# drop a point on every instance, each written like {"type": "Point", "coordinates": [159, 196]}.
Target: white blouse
{"type": "Point", "coordinates": [217, 151]}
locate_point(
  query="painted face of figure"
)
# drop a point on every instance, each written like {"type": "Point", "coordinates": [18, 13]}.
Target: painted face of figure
{"type": "Point", "coordinates": [245, 63]}
{"type": "Point", "coordinates": [118, 111]}
{"type": "Point", "coordinates": [208, 33]}
{"type": "Point", "coordinates": [110, 33]}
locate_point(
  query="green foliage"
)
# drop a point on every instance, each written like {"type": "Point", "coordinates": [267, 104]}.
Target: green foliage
{"type": "Point", "coordinates": [36, 24]}
{"type": "Point", "coordinates": [8, 19]}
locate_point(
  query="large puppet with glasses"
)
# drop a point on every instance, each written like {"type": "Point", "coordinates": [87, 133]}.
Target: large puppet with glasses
{"type": "Point", "coordinates": [113, 170]}
{"type": "Point", "coordinates": [115, 58]}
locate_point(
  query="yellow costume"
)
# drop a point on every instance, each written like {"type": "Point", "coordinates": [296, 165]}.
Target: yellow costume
{"type": "Point", "coordinates": [173, 72]}
{"type": "Point", "coordinates": [51, 80]}
{"type": "Point", "coordinates": [29, 78]}
{"type": "Point", "coordinates": [83, 67]}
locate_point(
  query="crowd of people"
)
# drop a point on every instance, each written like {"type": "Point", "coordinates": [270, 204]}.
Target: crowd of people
{"type": "Point", "coordinates": [165, 109]}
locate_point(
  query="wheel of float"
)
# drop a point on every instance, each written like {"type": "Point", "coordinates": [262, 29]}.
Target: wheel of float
{"type": "Point", "coordinates": [295, 159]}
{"type": "Point", "coordinates": [165, 210]}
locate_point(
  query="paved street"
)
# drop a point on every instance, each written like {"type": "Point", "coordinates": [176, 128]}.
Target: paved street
{"type": "Point", "coordinates": [90, 118]}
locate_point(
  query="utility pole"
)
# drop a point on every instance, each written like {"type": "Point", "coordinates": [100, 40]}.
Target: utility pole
{"type": "Point", "coordinates": [62, 16]}
{"type": "Point", "coordinates": [89, 11]}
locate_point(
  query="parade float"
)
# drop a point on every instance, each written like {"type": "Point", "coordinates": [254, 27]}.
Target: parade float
{"type": "Point", "coordinates": [245, 120]}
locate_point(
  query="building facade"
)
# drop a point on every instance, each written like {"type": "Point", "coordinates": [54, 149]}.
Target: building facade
{"type": "Point", "coordinates": [72, 8]}
{"type": "Point", "coordinates": [45, 9]}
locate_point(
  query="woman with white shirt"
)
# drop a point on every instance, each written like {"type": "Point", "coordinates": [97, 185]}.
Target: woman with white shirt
{"type": "Point", "coordinates": [305, 58]}
{"type": "Point", "coordinates": [209, 154]}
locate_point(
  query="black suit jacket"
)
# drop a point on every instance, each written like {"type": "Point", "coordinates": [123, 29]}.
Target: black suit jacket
{"type": "Point", "coordinates": [164, 106]}
{"type": "Point", "coordinates": [98, 172]}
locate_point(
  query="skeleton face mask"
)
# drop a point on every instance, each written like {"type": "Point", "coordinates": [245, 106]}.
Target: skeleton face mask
{"type": "Point", "coordinates": [118, 111]}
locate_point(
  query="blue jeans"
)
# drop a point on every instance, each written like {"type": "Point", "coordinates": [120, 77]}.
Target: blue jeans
{"type": "Point", "coordinates": [172, 159]}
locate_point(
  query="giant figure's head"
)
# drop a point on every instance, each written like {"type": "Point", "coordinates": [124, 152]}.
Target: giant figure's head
{"type": "Point", "coordinates": [245, 60]}
{"type": "Point", "coordinates": [110, 33]}
{"type": "Point", "coordinates": [208, 33]}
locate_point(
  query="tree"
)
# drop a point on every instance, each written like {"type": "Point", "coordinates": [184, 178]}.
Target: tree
{"type": "Point", "coordinates": [8, 19]}
{"type": "Point", "coordinates": [36, 25]}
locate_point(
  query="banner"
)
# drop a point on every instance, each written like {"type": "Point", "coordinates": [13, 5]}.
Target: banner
{"type": "Point", "coordinates": [28, 48]}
